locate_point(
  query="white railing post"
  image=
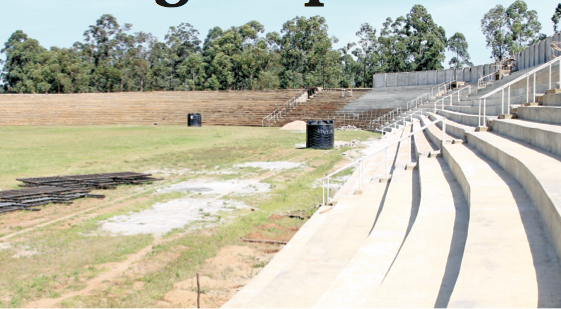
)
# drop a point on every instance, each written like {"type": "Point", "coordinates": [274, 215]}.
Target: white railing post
{"type": "Point", "coordinates": [323, 191]}
{"type": "Point", "coordinates": [508, 106]}
{"type": "Point", "coordinates": [549, 77]}
{"type": "Point", "coordinates": [443, 131]}
{"type": "Point", "coordinates": [409, 152]}
{"type": "Point", "coordinates": [361, 174]}
{"type": "Point", "coordinates": [479, 119]}
{"type": "Point", "coordinates": [387, 163]}
{"type": "Point", "coordinates": [485, 111]}
{"type": "Point", "coordinates": [328, 196]}
{"type": "Point", "coordinates": [534, 97]}
{"type": "Point", "coordinates": [503, 102]}
{"type": "Point", "coordinates": [528, 89]}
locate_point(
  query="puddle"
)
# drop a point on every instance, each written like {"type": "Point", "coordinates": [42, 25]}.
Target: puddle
{"type": "Point", "coordinates": [164, 217]}
{"type": "Point", "coordinates": [218, 187]}
{"type": "Point", "coordinates": [280, 165]}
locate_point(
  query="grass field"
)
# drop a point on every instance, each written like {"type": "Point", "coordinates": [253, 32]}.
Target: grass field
{"type": "Point", "coordinates": [58, 256]}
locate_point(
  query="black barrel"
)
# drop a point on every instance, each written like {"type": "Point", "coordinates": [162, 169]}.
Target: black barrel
{"type": "Point", "coordinates": [194, 120]}
{"type": "Point", "coordinates": [320, 134]}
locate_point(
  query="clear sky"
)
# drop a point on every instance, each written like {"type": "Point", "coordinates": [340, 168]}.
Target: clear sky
{"type": "Point", "coordinates": [62, 22]}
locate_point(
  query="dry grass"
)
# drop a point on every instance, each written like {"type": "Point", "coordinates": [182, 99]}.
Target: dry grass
{"type": "Point", "coordinates": [59, 258]}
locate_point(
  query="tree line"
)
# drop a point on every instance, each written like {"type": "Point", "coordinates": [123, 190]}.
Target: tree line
{"type": "Point", "coordinates": [113, 58]}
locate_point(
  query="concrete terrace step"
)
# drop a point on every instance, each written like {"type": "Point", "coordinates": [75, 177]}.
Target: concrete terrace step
{"type": "Point", "coordinates": [545, 114]}
{"type": "Point", "coordinates": [462, 118]}
{"type": "Point", "coordinates": [424, 272]}
{"type": "Point", "coordinates": [453, 128]}
{"type": "Point", "coordinates": [536, 170]}
{"type": "Point", "coordinates": [302, 282]}
{"type": "Point", "coordinates": [508, 259]}
{"type": "Point", "coordinates": [361, 277]}
{"type": "Point", "coordinates": [280, 261]}
{"type": "Point", "coordinates": [434, 134]}
{"type": "Point", "coordinates": [423, 147]}
{"type": "Point", "coordinates": [543, 136]}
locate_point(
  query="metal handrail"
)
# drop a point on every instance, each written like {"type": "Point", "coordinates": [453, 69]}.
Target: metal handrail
{"type": "Point", "coordinates": [439, 85]}
{"type": "Point", "coordinates": [360, 161]}
{"type": "Point", "coordinates": [452, 97]}
{"type": "Point", "coordinates": [443, 84]}
{"type": "Point", "coordinates": [386, 117]}
{"type": "Point", "coordinates": [481, 82]}
{"type": "Point", "coordinates": [416, 100]}
{"type": "Point", "coordinates": [275, 114]}
{"type": "Point", "coordinates": [509, 84]}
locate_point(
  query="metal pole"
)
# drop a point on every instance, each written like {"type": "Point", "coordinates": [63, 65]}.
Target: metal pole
{"type": "Point", "coordinates": [323, 191]}
{"type": "Point", "coordinates": [443, 131]}
{"type": "Point", "coordinates": [328, 197]}
{"type": "Point", "coordinates": [503, 102]}
{"type": "Point", "coordinates": [549, 77]}
{"type": "Point", "coordinates": [528, 89]}
{"type": "Point", "coordinates": [386, 162]}
{"type": "Point", "coordinates": [485, 111]}
{"type": "Point", "coordinates": [479, 119]}
{"type": "Point", "coordinates": [409, 153]}
{"type": "Point", "coordinates": [534, 97]}
{"type": "Point", "coordinates": [508, 106]}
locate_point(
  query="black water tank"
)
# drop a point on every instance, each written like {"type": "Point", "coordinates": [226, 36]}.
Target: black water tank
{"type": "Point", "coordinates": [320, 134]}
{"type": "Point", "coordinates": [194, 120]}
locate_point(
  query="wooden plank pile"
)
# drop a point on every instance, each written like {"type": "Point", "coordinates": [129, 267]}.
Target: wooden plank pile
{"type": "Point", "coordinates": [93, 181]}
{"type": "Point", "coordinates": [25, 199]}
{"type": "Point", "coordinates": [64, 189]}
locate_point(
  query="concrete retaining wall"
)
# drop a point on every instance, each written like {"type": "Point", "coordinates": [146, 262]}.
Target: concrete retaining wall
{"type": "Point", "coordinates": [534, 55]}
{"type": "Point", "coordinates": [537, 54]}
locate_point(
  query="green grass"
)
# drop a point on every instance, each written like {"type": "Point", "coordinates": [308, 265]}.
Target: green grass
{"type": "Point", "coordinates": [42, 151]}
{"type": "Point", "coordinates": [67, 256]}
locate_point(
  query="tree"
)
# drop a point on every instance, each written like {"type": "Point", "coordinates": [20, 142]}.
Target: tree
{"type": "Point", "coordinates": [508, 31]}
{"type": "Point", "coordinates": [305, 52]}
{"type": "Point", "coordinates": [25, 64]}
{"type": "Point", "coordinates": [182, 42]}
{"type": "Point", "coordinates": [427, 40]}
{"type": "Point", "coordinates": [393, 51]}
{"type": "Point", "coordinates": [497, 34]}
{"type": "Point", "coordinates": [524, 26]}
{"type": "Point", "coordinates": [556, 17]}
{"type": "Point", "coordinates": [366, 54]}
{"type": "Point", "coordinates": [458, 45]}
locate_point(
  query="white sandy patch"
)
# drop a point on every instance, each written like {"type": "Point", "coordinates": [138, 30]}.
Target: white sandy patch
{"type": "Point", "coordinates": [164, 217]}
{"type": "Point", "coordinates": [280, 165]}
{"type": "Point", "coordinates": [218, 187]}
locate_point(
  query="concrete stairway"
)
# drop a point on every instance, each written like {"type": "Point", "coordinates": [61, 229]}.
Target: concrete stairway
{"type": "Point", "coordinates": [386, 98]}
{"type": "Point", "coordinates": [301, 279]}
{"type": "Point", "coordinates": [478, 224]}
{"type": "Point", "coordinates": [510, 177]}
{"type": "Point", "coordinates": [142, 108]}
{"type": "Point", "coordinates": [519, 95]}
{"type": "Point", "coordinates": [424, 271]}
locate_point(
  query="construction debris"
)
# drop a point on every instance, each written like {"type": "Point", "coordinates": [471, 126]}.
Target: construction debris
{"type": "Point", "coordinates": [64, 189]}
{"type": "Point", "coordinates": [353, 143]}
{"type": "Point", "coordinates": [348, 128]}
{"type": "Point", "coordinates": [94, 181]}
{"type": "Point", "coordinates": [24, 199]}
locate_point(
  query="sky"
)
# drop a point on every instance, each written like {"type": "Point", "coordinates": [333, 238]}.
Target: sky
{"type": "Point", "coordinates": [63, 22]}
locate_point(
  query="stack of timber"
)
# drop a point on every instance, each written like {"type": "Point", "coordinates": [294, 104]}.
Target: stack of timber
{"type": "Point", "coordinates": [25, 199]}
{"type": "Point", "coordinates": [93, 181]}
